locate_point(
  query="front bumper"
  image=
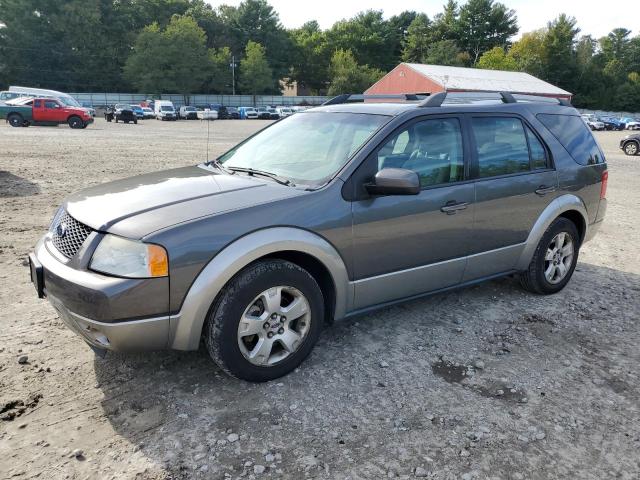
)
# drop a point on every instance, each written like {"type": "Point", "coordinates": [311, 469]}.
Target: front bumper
{"type": "Point", "coordinates": [105, 311]}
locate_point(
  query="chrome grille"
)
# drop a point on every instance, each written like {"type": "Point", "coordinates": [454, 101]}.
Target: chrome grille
{"type": "Point", "coordinates": [68, 234]}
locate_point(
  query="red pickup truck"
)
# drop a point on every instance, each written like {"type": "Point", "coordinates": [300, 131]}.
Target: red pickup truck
{"type": "Point", "coordinates": [44, 111]}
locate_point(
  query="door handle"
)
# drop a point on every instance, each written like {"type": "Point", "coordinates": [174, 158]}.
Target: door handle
{"type": "Point", "coordinates": [452, 207]}
{"type": "Point", "coordinates": [543, 190]}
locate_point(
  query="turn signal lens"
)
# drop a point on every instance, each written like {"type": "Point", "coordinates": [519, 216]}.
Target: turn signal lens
{"type": "Point", "coordinates": [158, 262]}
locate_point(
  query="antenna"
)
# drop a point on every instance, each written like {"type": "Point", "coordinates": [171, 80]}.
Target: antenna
{"type": "Point", "coordinates": [208, 122]}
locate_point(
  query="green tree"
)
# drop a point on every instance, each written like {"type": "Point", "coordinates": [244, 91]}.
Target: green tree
{"type": "Point", "coordinates": [559, 53]}
{"type": "Point", "coordinates": [419, 38]}
{"type": "Point", "coordinates": [497, 59]}
{"type": "Point", "coordinates": [528, 54]}
{"type": "Point", "coordinates": [446, 52]}
{"type": "Point", "coordinates": [258, 22]}
{"type": "Point", "coordinates": [368, 37]}
{"type": "Point", "coordinates": [484, 24]}
{"type": "Point", "coordinates": [256, 77]}
{"type": "Point", "coordinates": [311, 56]}
{"type": "Point", "coordinates": [221, 77]}
{"type": "Point", "coordinates": [173, 59]}
{"type": "Point", "coordinates": [446, 25]}
{"type": "Point", "coordinates": [349, 77]}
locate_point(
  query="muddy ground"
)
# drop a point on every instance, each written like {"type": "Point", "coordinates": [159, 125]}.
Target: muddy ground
{"type": "Point", "coordinates": [486, 382]}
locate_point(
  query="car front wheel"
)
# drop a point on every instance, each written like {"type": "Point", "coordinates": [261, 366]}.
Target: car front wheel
{"type": "Point", "coordinates": [554, 259]}
{"type": "Point", "coordinates": [631, 148]}
{"type": "Point", "coordinates": [266, 321]}
{"type": "Point", "coordinates": [75, 122]}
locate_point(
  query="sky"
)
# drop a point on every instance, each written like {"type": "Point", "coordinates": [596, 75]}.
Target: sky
{"type": "Point", "coordinates": [596, 18]}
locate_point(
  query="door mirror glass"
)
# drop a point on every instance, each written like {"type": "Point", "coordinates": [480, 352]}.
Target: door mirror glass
{"type": "Point", "coordinates": [394, 181]}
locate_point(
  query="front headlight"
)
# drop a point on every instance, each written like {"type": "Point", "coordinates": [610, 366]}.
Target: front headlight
{"type": "Point", "coordinates": [129, 258]}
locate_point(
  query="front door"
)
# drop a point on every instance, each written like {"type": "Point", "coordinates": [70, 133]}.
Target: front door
{"type": "Point", "coordinates": [515, 181]}
{"type": "Point", "coordinates": [405, 245]}
{"type": "Point", "coordinates": [53, 111]}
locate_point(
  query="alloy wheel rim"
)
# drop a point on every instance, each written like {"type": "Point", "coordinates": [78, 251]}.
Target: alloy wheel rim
{"type": "Point", "coordinates": [558, 258]}
{"type": "Point", "coordinates": [631, 149]}
{"type": "Point", "coordinates": [274, 325]}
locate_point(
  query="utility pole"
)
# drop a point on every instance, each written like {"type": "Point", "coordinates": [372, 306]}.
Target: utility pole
{"type": "Point", "coordinates": [233, 66]}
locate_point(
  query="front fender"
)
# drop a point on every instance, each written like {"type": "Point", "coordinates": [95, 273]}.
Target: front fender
{"type": "Point", "coordinates": [186, 326]}
{"type": "Point", "coordinates": [557, 207]}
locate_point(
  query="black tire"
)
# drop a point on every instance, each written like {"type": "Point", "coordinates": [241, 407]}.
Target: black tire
{"type": "Point", "coordinates": [631, 148]}
{"type": "Point", "coordinates": [135, 121]}
{"type": "Point", "coordinates": [75, 122]}
{"type": "Point", "coordinates": [15, 120]}
{"type": "Point", "coordinates": [116, 119]}
{"type": "Point", "coordinates": [534, 279]}
{"type": "Point", "coordinates": [221, 326]}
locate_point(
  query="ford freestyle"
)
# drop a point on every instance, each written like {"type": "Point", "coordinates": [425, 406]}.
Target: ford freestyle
{"type": "Point", "coordinates": [326, 214]}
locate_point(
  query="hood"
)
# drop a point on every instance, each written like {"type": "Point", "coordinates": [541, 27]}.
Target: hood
{"type": "Point", "coordinates": [137, 206]}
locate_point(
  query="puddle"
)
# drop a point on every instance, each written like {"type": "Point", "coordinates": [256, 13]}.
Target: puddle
{"type": "Point", "coordinates": [449, 372]}
{"type": "Point", "coordinates": [455, 373]}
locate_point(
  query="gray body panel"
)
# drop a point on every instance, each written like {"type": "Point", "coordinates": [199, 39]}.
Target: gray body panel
{"type": "Point", "coordinates": [376, 250]}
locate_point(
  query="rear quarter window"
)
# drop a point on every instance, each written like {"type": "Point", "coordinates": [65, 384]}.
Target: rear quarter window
{"type": "Point", "coordinates": [575, 137]}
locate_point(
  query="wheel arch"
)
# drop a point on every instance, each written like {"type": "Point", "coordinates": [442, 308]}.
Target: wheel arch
{"type": "Point", "coordinates": [568, 206]}
{"type": "Point", "coordinates": [631, 140]}
{"type": "Point", "coordinates": [305, 248]}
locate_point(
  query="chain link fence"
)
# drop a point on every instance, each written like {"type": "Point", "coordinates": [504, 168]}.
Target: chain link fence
{"type": "Point", "coordinates": [103, 99]}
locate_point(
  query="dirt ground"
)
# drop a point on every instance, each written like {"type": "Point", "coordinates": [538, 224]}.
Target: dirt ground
{"type": "Point", "coordinates": [488, 382]}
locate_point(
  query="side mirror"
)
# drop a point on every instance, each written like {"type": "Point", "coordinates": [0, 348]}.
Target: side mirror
{"type": "Point", "coordinates": [394, 181]}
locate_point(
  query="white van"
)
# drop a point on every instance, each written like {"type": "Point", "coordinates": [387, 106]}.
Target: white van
{"type": "Point", "coordinates": [164, 110]}
{"type": "Point", "coordinates": [18, 92]}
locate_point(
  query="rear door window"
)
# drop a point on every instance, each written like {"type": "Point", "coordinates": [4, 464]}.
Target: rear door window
{"type": "Point", "coordinates": [501, 146]}
{"type": "Point", "coordinates": [575, 137]}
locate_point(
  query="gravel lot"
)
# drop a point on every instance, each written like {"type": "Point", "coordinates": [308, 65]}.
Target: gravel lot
{"type": "Point", "coordinates": [486, 382]}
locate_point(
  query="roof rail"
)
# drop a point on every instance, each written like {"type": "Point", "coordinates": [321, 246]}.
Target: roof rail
{"type": "Point", "coordinates": [361, 97]}
{"type": "Point", "coordinates": [437, 99]}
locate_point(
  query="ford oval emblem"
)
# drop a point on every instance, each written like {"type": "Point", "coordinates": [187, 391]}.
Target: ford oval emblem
{"type": "Point", "coordinates": [61, 230]}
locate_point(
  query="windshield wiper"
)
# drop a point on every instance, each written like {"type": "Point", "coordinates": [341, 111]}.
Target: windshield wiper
{"type": "Point", "coordinates": [273, 176]}
{"type": "Point", "coordinates": [218, 164]}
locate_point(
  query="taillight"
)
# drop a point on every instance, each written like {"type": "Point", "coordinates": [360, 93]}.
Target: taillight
{"type": "Point", "coordinates": [603, 185]}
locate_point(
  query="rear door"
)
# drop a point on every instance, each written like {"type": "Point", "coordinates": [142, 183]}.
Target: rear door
{"type": "Point", "coordinates": [514, 182]}
{"type": "Point", "coordinates": [405, 245]}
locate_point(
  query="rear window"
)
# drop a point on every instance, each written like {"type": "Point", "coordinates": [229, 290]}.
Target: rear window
{"type": "Point", "coordinates": [574, 136]}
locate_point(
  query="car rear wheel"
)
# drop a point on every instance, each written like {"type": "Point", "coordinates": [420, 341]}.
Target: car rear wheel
{"type": "Point", "coordinates": [554, 259]}
{"type": "Point", "coordinates": [265, 322]}
{"type": "Point", "coordinates": [75, 122]}
{"type": "Point", "coordinates": [15, 120]}
{"type": "Point", "coordinates": [631, 148]}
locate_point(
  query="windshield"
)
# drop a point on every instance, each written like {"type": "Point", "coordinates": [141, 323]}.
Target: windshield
{"type": "Point", "coordinates": [306, 149]}
{"type": "Point", "coordinates": [69, 101]}
{"type": "Point", "coordinates": [166, 108]}
{"type": "Point", "coordinates": [190, 109]}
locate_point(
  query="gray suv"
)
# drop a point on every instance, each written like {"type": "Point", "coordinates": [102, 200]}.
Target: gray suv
{"type": "Point", "coordinates": [324, 215]}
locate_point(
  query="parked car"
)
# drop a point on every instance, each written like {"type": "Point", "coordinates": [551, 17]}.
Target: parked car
{"type": "Point", "coordinates": [273, 113]}
{"type": "Point", "coordinates": [122, 113]}
{"type": "Point", "coordinates": [164, 110]}
{"type": "Point", "coordinates": [137, 111]}
{"type": "Point", "coordinates": [592, 122]}
{"type": "Point", "coordinates": [631, 123]}
{"type": "Point", "coordinates": [44, 112]}
{"type": "Point", "coordinates": [248, 113]}
{"type": "Point", "coordinates": [148, 112]}
{"type": "Point", "coordinates": [233, 113]}
{"type": "Point", "coordinates": [223, 113]}
{"type": "Point", "coordinates": [207, 114]}
{"type": "Point", "coordinates": [187, 112]}
{"type": "Point", "coordinates": [324, 215]}
{"type": "Point", "coordinates": [263, 113]}
{"type": "Point", "coordinates": [611, 123]}
{"type": "Point", "coordinates": [630, 144]}
{"type": "Point", "coordinates": [284, 111]}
